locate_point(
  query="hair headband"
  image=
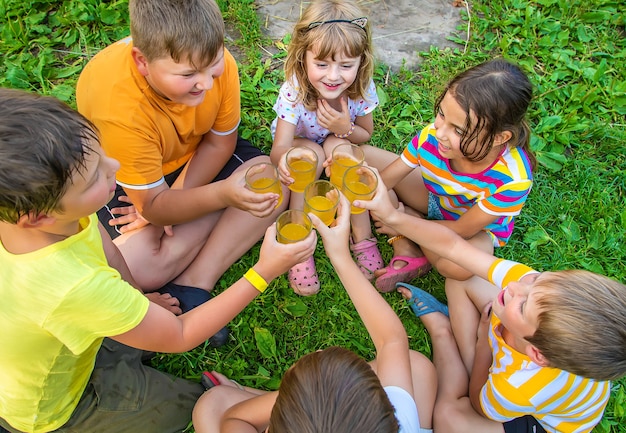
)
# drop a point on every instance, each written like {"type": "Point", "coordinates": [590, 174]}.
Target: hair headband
{"type": "Point", "coordinates": [359, 22]}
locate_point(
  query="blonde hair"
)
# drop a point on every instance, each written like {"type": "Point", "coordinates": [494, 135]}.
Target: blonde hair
{"type": "Point", "coordinates": [185, 30]}
{"type": "Point", "coordinates": [582, 323]}
{"type": "Point", "coordinates": [333, 390]}
{"type": "Point", "coordinates": [329, 40]}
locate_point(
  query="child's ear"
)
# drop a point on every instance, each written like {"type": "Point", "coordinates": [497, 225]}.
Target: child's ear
{"type": "Point", "coordinates": [33, 220]}
{"type": "Point", "coordinates": [536, 356]}
{"type": "Point", "coordinates": [502, 138]}
{"type": "Point", "coordinates": [140, 60]}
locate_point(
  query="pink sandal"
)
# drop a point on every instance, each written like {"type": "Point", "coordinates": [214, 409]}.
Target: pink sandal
{"type": "Point", "coordinates": [414, 267]}
{"type": "Point", "coordinates": [303, 278]}
{"type": "Point", "coordinates": [367, 256]}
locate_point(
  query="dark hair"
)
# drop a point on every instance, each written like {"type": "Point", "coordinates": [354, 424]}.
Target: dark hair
{"type": "Point", "coordinates": [498, 93]}
{"type": "Point", "coordinates": [581, 325]}
{"type": "Point", "coordinates": [185, 30]}
{"type": "Point", "coordinates": [42, 142]}
{"type": "Point", "coordinates": [333, 390]}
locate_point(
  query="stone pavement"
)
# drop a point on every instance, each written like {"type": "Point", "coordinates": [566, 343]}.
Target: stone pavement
{"type": "Point", "coordinates": [400, 28]}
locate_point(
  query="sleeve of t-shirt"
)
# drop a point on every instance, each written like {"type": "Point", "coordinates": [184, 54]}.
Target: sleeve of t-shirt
{"type": "Point", "coordinates": [366, 105]}
{"type": "Point", "coordinates": [405, 409]}
{"type": "Point", "coordinates": [101, 305]}
{"type": "Point", "coordinates": [229, 114]}
{"type": "Point", "coordinates": [286, 107]}
{"type": "Point", "coordinates": [502, 272]}
{"type": "Point", "coordinates": [508, 199]}
{"type": "Point", "coordinates": [410, 154]}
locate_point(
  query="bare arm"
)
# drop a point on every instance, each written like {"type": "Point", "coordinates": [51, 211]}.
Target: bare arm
{"type": "Point", "coordinates": [161, 331]}
{"type": "Point", "coordinates": [482, 361]}
{"type": "Point", "coordinates": [439, 239]}
{"type": "Point", "coordinates": [115, 258]}
{"type": "Point", "coordinates": [382, 323]}
{"type": "Point", "coordinates": [251, 416]}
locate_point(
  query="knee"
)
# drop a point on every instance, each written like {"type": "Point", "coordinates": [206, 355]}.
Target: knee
{"type": "Point", "coordinates": [448, 418]}
{"type": "Point", "coordinates": [449, 269]}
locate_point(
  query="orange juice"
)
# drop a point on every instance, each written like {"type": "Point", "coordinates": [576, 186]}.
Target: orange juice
{"type": "Point", "coordinates": [356, 190]}
{"type": "Point", "coordinates": [303, 173]}
{"type": "Point", "coordinates": [267, 184]}
{"type": "Point", "coordinates": [322, 207]}
{"type": "Point", "coordinates": [339, 166]}
{"type": "Point", "coordinates": [291, 233]}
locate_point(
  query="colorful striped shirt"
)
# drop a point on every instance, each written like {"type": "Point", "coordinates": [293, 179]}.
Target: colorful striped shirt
{"type": "Point", "coordinates": [500, 190]}
{"type": "Point", "coordinates": [562, 402]}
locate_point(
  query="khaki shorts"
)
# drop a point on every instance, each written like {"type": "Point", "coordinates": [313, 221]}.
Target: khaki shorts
{"type": "Point", "coordinates": [123, 395]}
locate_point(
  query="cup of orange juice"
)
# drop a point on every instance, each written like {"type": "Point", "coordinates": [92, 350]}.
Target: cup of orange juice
{"type": "Point", "coordinates": [359, 183]}
{"type": "Point", "coordinates": [321, 198]}
{"type": "Point", "coordinates": [302, 165]}
{"type": "Point", "coordinates": [344, 156]}
{"type": "Point", "coordinates": [263, 178]}
{"type": "Point", "coordinates": [292, 226]}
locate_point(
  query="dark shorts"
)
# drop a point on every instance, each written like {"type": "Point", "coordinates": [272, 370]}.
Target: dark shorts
{"type": "Point", "coordinates": [125, 396]}
{"type": "Point", "coordinates": [525, 424]}
{"type": "Point", "coordinates": [243, 152]}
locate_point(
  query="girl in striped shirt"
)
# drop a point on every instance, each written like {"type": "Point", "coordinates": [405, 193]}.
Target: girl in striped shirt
{"type": "Point", "coordinates": [471, 170]}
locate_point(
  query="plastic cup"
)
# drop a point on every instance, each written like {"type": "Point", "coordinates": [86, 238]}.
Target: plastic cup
{"type": "Point", "coordinates": [302, 165]}
{"type": "Point", "coordinates": [359, 183]}
{"type": "Point", "coordinates": [321, 198]}
{"type": "Point", "coordinates": [263, 178]}
{"type": "Point", "coordinates": [292, 226]}
{"type": "Point", "coordinates": [344, 156]}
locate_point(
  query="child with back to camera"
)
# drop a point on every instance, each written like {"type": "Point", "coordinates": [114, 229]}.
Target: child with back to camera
{"type": "Point", "coordinates": [548, 342]}
{"type": "Point", "coordinates": [65, 287]}
{"type": "Point", "coordinates": [471, 170]}
{"type": "Point", "coordinates": [334, 390]}
{"type": "Point", "coordinates": [327, 100]}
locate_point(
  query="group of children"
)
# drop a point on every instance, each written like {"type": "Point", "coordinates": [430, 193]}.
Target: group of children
{"type": "Point", "coordinates": [98, 269]}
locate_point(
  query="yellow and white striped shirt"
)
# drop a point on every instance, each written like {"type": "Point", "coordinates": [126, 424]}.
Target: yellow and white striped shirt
{"type": "Point", "coordinates": [562, 402]}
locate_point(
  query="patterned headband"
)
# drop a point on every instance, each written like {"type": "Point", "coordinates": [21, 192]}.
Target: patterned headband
{"type": "Point", "coordinates": [359, 22]}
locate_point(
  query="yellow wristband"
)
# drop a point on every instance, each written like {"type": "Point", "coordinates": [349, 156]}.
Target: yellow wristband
{"type": "Point", "coordinates": [256, 280]}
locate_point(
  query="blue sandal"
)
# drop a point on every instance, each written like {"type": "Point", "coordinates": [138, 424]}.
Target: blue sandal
{"type": "Point", "coordinates": [423, 303]}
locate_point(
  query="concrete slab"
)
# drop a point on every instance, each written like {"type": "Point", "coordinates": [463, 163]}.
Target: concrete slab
{"type": "Point", "coordinates": [400, 28]}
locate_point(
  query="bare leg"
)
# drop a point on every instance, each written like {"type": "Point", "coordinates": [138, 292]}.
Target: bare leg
{"type": "Point", "coordinates": [424, 386]}
{"type": "Point", "coordinates": [234, 234]}
{"type": "Point", "coordinates": [453, 410]}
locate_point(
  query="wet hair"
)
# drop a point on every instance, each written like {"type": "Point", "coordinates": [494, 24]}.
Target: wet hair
{"type": "Point", "coordinates": [185, 30]}
{"type": "Point", "coordinates": [581, 324]}
{"type": "Point", "coordinates": [498, 93]}
{"type": "Point", "coordinates": [329, 40]}
{"type": "Point", "coordinates": [42, 143]}
{"type": "Point", "coordinates": [333, 390]}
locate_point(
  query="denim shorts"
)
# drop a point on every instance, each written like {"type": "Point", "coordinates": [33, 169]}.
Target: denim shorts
{"type": "Point", "coordinates": [125, 396]}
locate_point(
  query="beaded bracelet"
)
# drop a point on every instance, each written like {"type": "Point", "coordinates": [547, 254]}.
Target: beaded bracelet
{"type": "Point", "coordinates": [347, 134]}
{"type": "Point", "coordinates": [256, 280]}
{"type": "Point", "coordinates": [391, 240]}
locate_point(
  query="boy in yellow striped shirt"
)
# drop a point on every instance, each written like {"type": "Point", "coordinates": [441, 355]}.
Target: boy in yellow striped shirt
{"type": "Point", "coordinates": [547, 344]}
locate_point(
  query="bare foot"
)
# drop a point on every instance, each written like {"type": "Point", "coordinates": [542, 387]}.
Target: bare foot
{"type": "Point", "coordinates": [166, 301]}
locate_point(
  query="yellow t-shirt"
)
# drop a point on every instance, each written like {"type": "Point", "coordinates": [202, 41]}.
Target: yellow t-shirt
{"type": "Point", "coordinates": [149, 135]}
{"type": "Point", "coordinates": [57, 305]}
{"type": "Point", "coordinates": [561, 401]}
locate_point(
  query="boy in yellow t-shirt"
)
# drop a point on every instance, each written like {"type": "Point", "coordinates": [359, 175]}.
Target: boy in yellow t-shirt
{"type": "Point", "coordinates": [65, 287]}
{"type": "Point", "coordinates": [547, 346]}
{"type": "Point", "coordinates": [167, 105]}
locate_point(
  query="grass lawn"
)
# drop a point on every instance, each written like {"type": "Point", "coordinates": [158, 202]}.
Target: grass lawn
{"type": "Point", "coordinates": [573, 50]}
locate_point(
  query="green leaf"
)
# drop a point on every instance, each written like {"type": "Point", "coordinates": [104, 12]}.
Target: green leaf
{"type": "Point", "coordinates": [265, 342]}
{"type": "Point", "coordinates": [536, 236]}
{"type": "Point", "coordinates": [571, 230]}
{"type": "Point", "coordinates": [296, 308]}
{"type": "Point", "coordinates": [597, 237]}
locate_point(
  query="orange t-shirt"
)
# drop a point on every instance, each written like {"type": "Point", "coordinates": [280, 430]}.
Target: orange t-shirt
{"type": "Point", "coordinates": [149, 135]}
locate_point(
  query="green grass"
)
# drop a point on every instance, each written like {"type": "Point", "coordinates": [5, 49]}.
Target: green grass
{"type": "Point", "coordinates": [575, 53]}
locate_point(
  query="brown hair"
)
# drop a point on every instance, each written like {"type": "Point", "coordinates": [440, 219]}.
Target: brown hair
{"type": "Point", "coordinates": [42, 143]}
{"type": "Point", "coordinates": [333, 390]}
{"type": "Point", "coordinates": [499, 93]}
{"type": "Point", "coordinates": [582, 323]}
{"type": "Point", "coordinates": [185, 30]}
{"type": "Point", "coordinates": [328, 40]}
